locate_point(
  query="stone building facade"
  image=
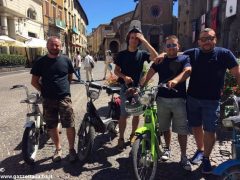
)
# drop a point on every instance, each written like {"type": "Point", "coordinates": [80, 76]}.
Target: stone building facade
{"type": "Point", "coordinates": [196, 14]}
{"type": "Point", "coordinates": [156, 19]}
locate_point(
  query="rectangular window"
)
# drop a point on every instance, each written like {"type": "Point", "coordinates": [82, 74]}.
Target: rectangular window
{"type": "Point", "coordinates": [46, 8]}
{"type": "Point", "coordinates": [54, 12]}
{"type": "Point", "coordinates": [65, 13]}
{"type": "Point", "coordinates": [60, 14]}
{"type": "Point", "coordinates": [69, 20]}
{"type": "Point", "coordinates": [74, 20]}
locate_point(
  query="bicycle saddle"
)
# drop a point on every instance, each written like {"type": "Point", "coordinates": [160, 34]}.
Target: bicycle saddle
{"type": "Point", "coordinates": [112, 90]}
{"type": "Point", "coordinates": [95, 85]}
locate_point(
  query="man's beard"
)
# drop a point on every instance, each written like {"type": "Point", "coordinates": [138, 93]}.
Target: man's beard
{"type": "Point", "coordinates": [54, 52]}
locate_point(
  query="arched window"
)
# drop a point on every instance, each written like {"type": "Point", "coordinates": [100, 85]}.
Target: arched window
{"type": "Point", "coordinates": [31, 13]}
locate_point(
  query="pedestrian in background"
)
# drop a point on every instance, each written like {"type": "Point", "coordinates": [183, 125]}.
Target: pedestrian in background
{"type": "Point", "coordinates": [171, 104]}
{"type": "Point", "coordinates": [129, 67]}
{"type": "Point", "coordinates": [209, 65]}
{"type": "Point", "coordinates": [56, 71]}
{"type": "Point", "coordinates": [77, 65]}
{"type": "Point", "coordinates": [108, 65]}
{"type": "Point", "coordinates": [88, 66]}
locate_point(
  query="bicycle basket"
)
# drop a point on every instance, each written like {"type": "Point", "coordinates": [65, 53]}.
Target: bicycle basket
{"type": "Point", "coordinates": [134, 107]}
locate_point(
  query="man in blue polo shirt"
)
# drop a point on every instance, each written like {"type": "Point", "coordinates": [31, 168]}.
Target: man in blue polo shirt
{"type": "Point", "coordinates": [209, 65]}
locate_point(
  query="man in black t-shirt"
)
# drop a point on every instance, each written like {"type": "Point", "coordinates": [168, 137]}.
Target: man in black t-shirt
{"type": "Point", "coordinates": [171, 103]}
{"type": "Point", "coordinates": [129, 66]}
{"type": "Point", "coordinates": [55, 73]}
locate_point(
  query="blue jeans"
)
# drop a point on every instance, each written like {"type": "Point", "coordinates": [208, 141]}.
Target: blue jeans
{"type": "Point", "coordinates": [77, 73]}
{"type": "Point", "coordinates": [204, 113]}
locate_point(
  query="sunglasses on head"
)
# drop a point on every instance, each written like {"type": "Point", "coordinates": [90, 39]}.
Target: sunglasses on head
{"type": "Point", "coordinates": [171, 45]}
{"type": "Point", "coordinates": [205, 39]}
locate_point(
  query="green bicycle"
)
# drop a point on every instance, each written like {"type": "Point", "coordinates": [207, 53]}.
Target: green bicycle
{"type": "Point", "coordinates": [146, 143]}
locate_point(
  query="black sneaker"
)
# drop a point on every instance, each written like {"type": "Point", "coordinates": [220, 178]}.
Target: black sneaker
{"type": "Point", "coordinates": [72, 157]}
{"type": "Point", "coordinates": [206, 166]}
{"type": "Point", "coordinates": [197, 157]}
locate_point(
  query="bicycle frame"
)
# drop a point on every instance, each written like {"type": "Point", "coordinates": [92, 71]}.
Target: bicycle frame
{"type": "Point", "coordinates": [150, 123]}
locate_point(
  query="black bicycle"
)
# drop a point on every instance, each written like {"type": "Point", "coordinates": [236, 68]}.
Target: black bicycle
{"type": "Point", "coordinates": [92, 123]}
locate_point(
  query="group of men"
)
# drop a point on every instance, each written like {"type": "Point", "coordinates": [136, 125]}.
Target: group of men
{"type": "Point", "coordinates": [196, 106]}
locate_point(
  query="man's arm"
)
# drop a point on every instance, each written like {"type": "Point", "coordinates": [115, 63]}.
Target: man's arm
{"type": "Point", "coordinates": [181, 77]}
{"type": "Point", "coordinates": [235, 71]}
{"type": "Point", "coordinates": [147, 77]}
{"type": "Point", "coordinates": [153, 52]}
{"type": "Point", "coordinates": [35, 82]}
{"type": "Point", "coordinates": [70, 77]}
{"type": "Point", "coordinates": [117, 72]}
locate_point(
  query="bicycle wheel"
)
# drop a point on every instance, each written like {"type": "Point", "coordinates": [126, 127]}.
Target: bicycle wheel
{"type": "Point", "coordinates": [30, 144]}
{"type": "Point", "coordinates": [233, 173]}
{"type": "Point", "coordinates": [144, 165]}
{"type": "Point", "coordinates": [86, 136]}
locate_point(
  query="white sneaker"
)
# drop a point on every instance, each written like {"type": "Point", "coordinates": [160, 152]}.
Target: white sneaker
{"type": "Point", "coordinates": [166, 155]}
{"type": "Point", "coordinates": [186, 163]}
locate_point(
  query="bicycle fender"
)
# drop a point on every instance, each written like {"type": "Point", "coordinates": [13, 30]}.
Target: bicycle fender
{"type": "Point", "coordinates": [28, 124]}
{"type": "Point", "coordinates": [141, 130]}
{"type": "Point", "coordinates": [220, 169]}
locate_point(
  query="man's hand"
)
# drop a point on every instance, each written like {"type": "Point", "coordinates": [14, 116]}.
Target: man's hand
{"type": "Point", "coordinates": [159, 58]}
{"type": "Point", "coordinates": [140, 37]}
{"type": "Point", "coordinates": [172, 83]}
{"type": "Point", "coordinates": [128, 80]}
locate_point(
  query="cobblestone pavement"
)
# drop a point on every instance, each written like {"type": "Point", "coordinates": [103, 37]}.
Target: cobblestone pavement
{"type": "Point", "coordinates": [105, 163]}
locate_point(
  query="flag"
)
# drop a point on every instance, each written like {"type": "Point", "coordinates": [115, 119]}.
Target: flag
{"type": "Point", "coordinates": [203, 17]}
{"type": "Point", "coordinates": [231, 8]}
{"type": "Point", "coordinates": [214, 12]}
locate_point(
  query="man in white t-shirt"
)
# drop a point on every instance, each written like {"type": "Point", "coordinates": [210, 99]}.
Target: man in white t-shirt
{"type": "Point", "coordinates": [77, 65]}
{"type": "Point", "coordinates": [88, 66]}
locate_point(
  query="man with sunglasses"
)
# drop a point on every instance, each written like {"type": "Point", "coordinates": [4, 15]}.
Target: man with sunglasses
{"type": "Point", "coordinates": [209, 65]}
{"type": "Point", "coordinates": [171, 102]}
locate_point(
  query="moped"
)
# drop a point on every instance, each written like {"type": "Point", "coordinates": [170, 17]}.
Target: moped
{"type": "Point", "coordinates": [230, 169]}
{"type": "Point", "coordinates": [92, 123]}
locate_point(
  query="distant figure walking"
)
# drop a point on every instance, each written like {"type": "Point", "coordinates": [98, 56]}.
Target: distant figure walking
{"type": "Point", "coordinates": [88, 66]}
{"type": "Point", "coordinates": [108, 65]}
{"type": "Point", "coordinates": [77, 65]}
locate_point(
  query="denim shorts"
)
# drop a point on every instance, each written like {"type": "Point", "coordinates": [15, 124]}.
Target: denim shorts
{"type": "Point", "coordinates": [55, 109]}
{"type": "Point", "coordinates": [203, 113]}
{"type": "Point", "coordinates": [172, 111]}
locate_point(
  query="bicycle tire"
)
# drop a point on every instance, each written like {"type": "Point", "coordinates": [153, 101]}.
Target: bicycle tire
{"type": "Point", "coordinates": [30, 144]}
{"type": "Point", "coordinates": [232, 173]}
{"type": "Point", "coordinates": [86, 137]}
{"type": "Point", "coordinates": [144, 166]}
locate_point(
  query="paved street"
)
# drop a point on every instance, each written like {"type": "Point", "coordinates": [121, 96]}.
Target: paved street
{"type": "Point", "coordinates": [106, 162]}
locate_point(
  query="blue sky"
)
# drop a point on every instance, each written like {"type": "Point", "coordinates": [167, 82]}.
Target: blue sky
{"type": "Point", "coordinates": [102, 11]}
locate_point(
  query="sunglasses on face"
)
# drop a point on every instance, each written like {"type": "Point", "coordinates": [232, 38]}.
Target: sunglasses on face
{"type": "Point", "coordinates": [171, 45]}
{"type": "Point", "coordinates": [205, 39]}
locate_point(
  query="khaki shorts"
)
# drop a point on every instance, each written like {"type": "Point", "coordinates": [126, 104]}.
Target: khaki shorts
{"type": "Point", "coordinates": [172, 111]}
{"type": "Point", "coordinates": [55, 111]}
